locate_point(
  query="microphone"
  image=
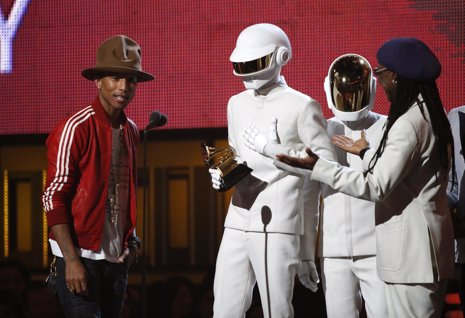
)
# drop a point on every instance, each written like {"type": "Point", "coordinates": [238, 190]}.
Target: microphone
{"type": "Point", "coordinates": [157, 119]}
{"type": "Point", "coordinates": [266, 215]}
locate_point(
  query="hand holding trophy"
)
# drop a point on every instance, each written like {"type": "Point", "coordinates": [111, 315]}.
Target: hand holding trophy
{"type": "Point", "coordinates": [226, 167]}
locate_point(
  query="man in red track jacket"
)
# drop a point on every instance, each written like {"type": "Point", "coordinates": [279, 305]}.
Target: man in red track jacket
{"type": "Point", "coordinates": [90, 194]}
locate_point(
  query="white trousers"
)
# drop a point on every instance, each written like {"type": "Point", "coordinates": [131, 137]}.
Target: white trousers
{"type": "Point", "coordinates": [241, 263]}
{"type": "Point", "coordinates": [346, 280]}
{"type": "Point", "coordinates": [416, 300]}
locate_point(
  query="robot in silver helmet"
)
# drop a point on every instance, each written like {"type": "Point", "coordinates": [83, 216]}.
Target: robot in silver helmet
{"type": "Point", "coordinates": [260, 53]}
{"type": "Point", "coordinates": [269, 205]}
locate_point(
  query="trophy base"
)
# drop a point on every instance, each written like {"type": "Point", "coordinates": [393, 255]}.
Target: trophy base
{"type": "Point", "coordinates": [233, 177]}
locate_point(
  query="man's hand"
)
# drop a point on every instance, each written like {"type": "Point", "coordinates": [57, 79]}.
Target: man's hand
{"type": "Point", "coordinates": [76, 276]}
{"type": "Point", "coordinates": [349, 145]}
{"type": "Point", "coordinates": [304, 163]}
{"type": "Point", "coordinates": [75, 272]}
{"type": "Point", "coordinates": [308, 275]}
{"type": "Point", "coordinates": [128, 256]}
{"type": "Point", "coordinates": [217, 180]}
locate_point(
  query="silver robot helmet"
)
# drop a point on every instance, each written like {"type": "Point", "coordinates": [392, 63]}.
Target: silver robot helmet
{"type": "Point", "coordinates": [260, 53]}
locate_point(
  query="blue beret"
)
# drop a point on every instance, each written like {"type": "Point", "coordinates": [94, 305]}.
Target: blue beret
{"type": "Point", "coordinates": [409, 58]}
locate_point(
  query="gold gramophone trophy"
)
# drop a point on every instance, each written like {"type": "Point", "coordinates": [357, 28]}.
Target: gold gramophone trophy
{"type": "Point", "coordinates": [222, 159]}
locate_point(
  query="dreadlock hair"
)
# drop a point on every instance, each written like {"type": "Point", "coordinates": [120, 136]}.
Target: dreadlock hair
{"type": "Point", "coordinates": [407, 93]}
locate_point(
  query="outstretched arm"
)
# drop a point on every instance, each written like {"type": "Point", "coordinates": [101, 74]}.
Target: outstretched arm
{"type": "Point", "coordinates": [304, 163]}
{"type": "Point", "coordinates": [345, 143]}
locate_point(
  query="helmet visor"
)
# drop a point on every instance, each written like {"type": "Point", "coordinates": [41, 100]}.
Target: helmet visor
{"type": "Point", "coordinates": [350, 79]}
{"type": "Point", "coordinates": [254, 66]}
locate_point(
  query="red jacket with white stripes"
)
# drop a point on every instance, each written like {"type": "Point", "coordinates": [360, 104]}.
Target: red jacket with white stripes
{"type": "Point", "coordinates": [79, 159]}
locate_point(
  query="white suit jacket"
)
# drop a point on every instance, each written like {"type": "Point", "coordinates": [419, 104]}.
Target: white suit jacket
{"type": "Point", "coordinates": [347, 224]}
{"type": "Point", "coordinates": [293, 200]}
{"type": "Point", "coordinates": [414, 232]}
{"type": "Point", "coordinates": [454, 192]}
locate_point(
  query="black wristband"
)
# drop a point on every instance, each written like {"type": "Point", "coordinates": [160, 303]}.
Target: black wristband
{"type": "Point", "coordinates": [362, 152]}
{"type": "Point", "coordinates": [134, 242]}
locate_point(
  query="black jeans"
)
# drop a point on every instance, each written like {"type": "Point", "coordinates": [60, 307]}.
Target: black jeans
{"type": "Point", "coordinates": [106, 285]}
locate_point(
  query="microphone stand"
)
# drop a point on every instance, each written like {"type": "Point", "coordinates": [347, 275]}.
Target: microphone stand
{"type": "Point", "coordinates": [144, 230]}
{"type": "Point", "coordinates": [266, 218]}
{"type": "Point", "coordinates": [156, 120]}
{"type": "Point", "coordinates": [266, 272]}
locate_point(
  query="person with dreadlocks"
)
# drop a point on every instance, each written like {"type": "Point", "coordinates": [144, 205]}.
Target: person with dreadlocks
{"type": "Point", "coordinates": [406, 177]}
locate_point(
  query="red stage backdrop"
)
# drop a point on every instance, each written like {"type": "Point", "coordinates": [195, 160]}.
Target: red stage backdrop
{"type": "Point", "coordinates": [186, 44]}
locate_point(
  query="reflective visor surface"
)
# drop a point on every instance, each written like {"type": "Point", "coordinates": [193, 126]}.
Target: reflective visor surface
{"type": "Point", "coordinates": [250, 67]}
{"type": "Point", "coordinates": [350, 84]}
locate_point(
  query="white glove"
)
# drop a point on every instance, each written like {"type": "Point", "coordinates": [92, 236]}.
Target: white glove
{"type": "Point", "coordinates": [256, 141]}
{"type": "Point", "coordinates": [217, 180]}
{"type": "Point", "coordinates": [308, 275]}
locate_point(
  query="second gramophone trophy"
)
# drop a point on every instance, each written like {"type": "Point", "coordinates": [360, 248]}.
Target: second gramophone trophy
{"type": "Point", "coordinates": [222, 159]}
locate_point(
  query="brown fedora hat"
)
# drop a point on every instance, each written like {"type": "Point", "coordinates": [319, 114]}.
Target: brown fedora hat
{"type": "Point", "coordinates": [118, 55]}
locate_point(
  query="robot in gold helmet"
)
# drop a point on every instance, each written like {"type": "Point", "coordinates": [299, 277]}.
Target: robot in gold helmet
{"type": "Point", "coordinates": [347, 248]}
{"type": "Point", "coordinates": [350, 87]}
